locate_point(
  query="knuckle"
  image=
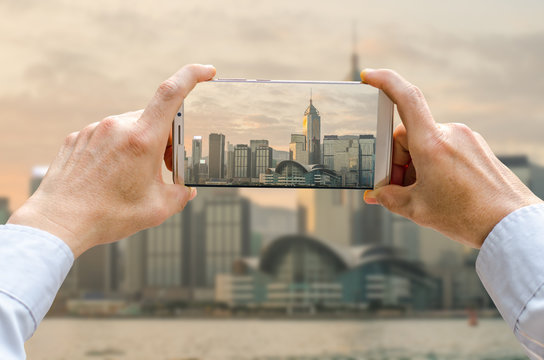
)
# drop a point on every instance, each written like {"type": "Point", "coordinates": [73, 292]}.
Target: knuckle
{"type": "Point", "coordinates": [71, 138]}
{"type": "Point", "coordinates": [168, 90]}
{"type": "Point", "coordinates": [138, 142]}
{"type": "Point", "coordinates": [107, 124]}
{"type": "Point", "coordinates": [414, 93]}
{"type": "Point", "coordinates": [462, 129]}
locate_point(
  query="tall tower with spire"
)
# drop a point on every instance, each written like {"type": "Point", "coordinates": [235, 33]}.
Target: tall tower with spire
{"type": "Point", "coordinates": [355, 70]}
{"type": "Point", "coordinates": [311, 125]}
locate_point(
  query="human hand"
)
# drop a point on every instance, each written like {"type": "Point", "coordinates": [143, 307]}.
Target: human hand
{"type": "Point", "coordinates": [444, 176]}
{"type": "Point", "coordinates": [106, 183]}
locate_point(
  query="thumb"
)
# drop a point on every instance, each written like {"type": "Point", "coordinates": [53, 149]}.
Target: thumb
{"type": "Point", "coordinates": [395, 198]}
{"type": "Point", "coordinates": [177, 196]}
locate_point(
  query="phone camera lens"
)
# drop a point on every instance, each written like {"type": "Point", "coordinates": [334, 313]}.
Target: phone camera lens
{"type": "Point", "coordinates": [179, 114]}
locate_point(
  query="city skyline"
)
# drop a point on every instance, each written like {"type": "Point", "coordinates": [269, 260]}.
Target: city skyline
{"type": "Point", "coordinates": [249, 111]}
{"type": "Point", "coordinates": [312, 159]}
{"type": "Point", "coordinates": [52, 88]}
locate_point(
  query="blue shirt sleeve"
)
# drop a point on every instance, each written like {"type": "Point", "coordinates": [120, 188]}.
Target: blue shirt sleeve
{"type": "Point", "coordinates": [511, 267]}
{"type": "Point", "coordinates": [33, 265]}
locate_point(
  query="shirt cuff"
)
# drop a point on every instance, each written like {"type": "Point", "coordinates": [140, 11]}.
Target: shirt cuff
{"type": "Point", "coordinates": [510, 263]}
{"type": "Point", "coordinates": [33, 266]}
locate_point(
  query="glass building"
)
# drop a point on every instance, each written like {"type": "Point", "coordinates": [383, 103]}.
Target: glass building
{"type": "Point", "coordinates": [298, 272]}
{"type": "Point", "coordinates": [263, 160]}
{"type": "Point", "coordinates": [226, 234]}
{"type": "Point", "coordinates": [216, 160]}
{"type": "Point", "coordinates": [292, 173]}
{"type": "Point", "coordinates": [242, 161]}
{"type": "Point", "coordinates": [196, 156]}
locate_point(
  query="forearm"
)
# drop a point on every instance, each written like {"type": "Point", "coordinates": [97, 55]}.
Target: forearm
{"type": "Point", "coordinates": [511, 267]}
{"type": "Point", "coordinates": [33, 265]}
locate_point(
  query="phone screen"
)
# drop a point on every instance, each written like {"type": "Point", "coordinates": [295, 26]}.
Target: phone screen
{"type": "Point", "coordinates": [280, 134]}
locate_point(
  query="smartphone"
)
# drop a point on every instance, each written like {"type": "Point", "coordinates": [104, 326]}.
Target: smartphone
{"type": "Point", "coordinates": [283, 134]}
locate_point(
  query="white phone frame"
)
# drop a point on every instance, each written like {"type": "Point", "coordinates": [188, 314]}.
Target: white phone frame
{"type": "Point", "coordinates": [384, 133]}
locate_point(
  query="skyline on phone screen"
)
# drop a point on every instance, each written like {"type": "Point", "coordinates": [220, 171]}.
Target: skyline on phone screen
{"type": "Point", "coordinates": [280, 135]}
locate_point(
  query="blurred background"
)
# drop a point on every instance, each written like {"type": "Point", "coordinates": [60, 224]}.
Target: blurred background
{"type": "Point", "coordinates": [270, 274]}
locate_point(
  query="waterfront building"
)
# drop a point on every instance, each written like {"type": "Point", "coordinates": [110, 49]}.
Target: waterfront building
{"type": "Point", "coordinates": [230, 160]}
{"type": "Point", "coordinates": [367, 152]}
{"type": "Point", "coordinates": [196, 156]}
{"type": "Point", "coordinates": [242, 162]}
{"type": "Point", "coordinates": [202, 171]}
{"type": "Point", "coordinates": [311, 127]}
{"type": "Point", "coordinates": [167, 258]}
{"type": "Point", "coordinates": [352, 157]}
{"type": "Point", "coordinates": [301, 273]}
{"type": "Point", "coordinates": [226, 234]}
{"type": "Point", "coordinates": [263, 159]}
{"type": "Point", "coordinates": [279, 156]}
{"type": "Point", "coordinates": [254, 144]}
{"type": "Point", "coordinates": [297, 149]}
{"type": "Point", "coordinates": [292, 173]}
{"type": "Point", "coordinates": [216, 156]}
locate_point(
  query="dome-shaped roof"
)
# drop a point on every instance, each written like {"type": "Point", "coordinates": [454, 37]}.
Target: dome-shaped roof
{"type": "Point", "coordinates": [282, 244]}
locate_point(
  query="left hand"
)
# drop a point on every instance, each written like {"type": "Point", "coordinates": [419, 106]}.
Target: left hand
{"type": "Point", "coordinates": [105, 183]}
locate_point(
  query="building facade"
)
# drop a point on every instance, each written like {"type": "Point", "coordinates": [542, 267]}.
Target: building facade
{"type": "Point", "coordinates": [242, 162]}
{"type": "Point", "coordinates": [216, 156]}
{"type": "Point", "coordinates": [311, 125]}
{"type": "Point", "coordinates": [300, 273]}
{"type": "Point", "coordinates": [226, 234]}
{"type": "Point", "coordinates": [196, 156]}
{"type": "Point", "coordinates": [297, 149]}
{"type": "Point", "coordinates": [263, 160]}
{"type": "Point", "coordinates": [254, 145]}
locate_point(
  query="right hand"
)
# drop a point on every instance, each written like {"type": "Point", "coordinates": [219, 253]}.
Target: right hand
{"type": "Point", "coordinates": [444, 176]}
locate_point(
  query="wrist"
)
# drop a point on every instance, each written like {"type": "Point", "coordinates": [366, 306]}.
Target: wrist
{"type": "Point", "coordinates": [31, 215]}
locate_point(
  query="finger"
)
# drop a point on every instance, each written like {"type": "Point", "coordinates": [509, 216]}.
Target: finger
{"type": "Point", "coordinates": [131, 115]}
{"type": "Point", "coordinates": [159, 113]}
{"type": "Point", "coordinates": [177, 196]}
{"type": "Point", "coordinates": [168, 157]}
{"type": "Point", "coordinates": [401, 151]}
{"type": "Point", "coordinates": [395, 198]}
{"type": "Point", "coordinates": [401, 155]}
{"type": "Point", "coordinates": [84, 136]}
{"type": "Point", "coordinates": [411, 104]}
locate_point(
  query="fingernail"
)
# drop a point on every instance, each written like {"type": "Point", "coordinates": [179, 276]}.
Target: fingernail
{"type": "Point", "coordinates": [364, 73]}
{"type": "Point", "coordinates": [370, 197]}
{"type": "Point", "coordinates": [210, 66]}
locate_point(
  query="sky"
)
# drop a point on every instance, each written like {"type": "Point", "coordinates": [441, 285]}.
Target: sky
{"type": "Point", "coordinates": [273, 111]}
{"type": "Point", "coordinates": [66, 64]}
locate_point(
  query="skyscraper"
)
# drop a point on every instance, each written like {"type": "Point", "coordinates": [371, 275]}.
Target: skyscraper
{"type": "Point", "coordinates": [230, 160]}
{"type": "Point", "coordinates": [367, 150]}
{"type": "Point", "coordinates": [311, 125]}
{"type": "Point", "coordinates": [196, 156]}
{"type": "Point", "coordinates": [254, 144]}
{"type": "Point", "coordinates": [168, 257]}
{"type": "Point", "coordinates": [297, 149]}
{"type": "Point", "coordinates": [216, 163]}
{"type": "Point", "coordinates": [354, 71]}
{"type": "Point", "coordinates": [242, 161]}
{"type": "Point", "coordinates": [226, 233]}
{"type": "Point", "coordinates": [263, 159]}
